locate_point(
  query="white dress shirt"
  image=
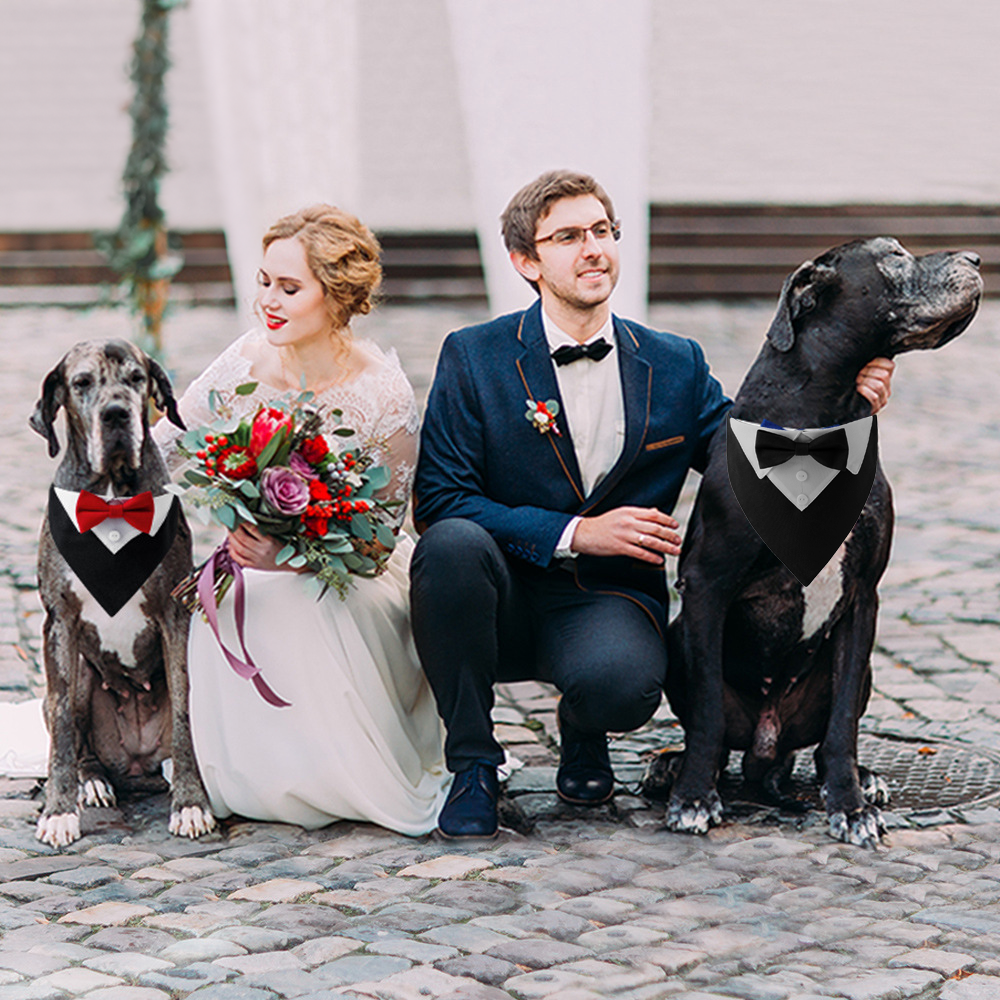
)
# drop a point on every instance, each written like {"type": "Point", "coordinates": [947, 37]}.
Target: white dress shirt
{"type": "Point", "coordinates": [801, 479]}
{"type": "Point", "coordinates": [593, 412]}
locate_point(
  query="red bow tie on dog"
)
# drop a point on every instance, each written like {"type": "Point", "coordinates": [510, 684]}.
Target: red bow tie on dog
{"type": "Point", "coordinates": [137, 511]}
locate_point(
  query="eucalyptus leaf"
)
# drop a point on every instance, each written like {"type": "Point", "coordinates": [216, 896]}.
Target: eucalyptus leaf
{"type": "Point", "coordinates": [338, 545]}
{"type": "Point", "coordinates": [378, 477]}
{"type": "Point", "coordinates": [227, 516]}
{"type": "Point", "coordinates": [246, 388]}
{"type": "Point", "coordinates": [244, 512]}
{"type": "Point", "coordinates": [343, 432]}
{"type": "Point", "coordinates": [385, 536]}
{"type": "Point", "coordinates": [196, 478]}
{"type": "Point", "coordinates": [352, 561]}
{"type": "Point", "coordinates": [249, 489]}
{"type": "Point", "coordinates": [297, 562]}
{"type": "Point", "coordinates": [361, 528]}
{"type": "Point", "coordinates": [337, 564]}
{"type": "Point", "coordinates": [284, 555]}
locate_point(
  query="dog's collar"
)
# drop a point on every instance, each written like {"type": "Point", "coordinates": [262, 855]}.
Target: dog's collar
{"type": "Point", "coordinates": [116, 534]}
{"type": "Point", "coordinates": [802, 479]}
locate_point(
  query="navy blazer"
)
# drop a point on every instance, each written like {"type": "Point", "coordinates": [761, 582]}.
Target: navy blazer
{"type": "Point", "coordinates": [482, 459]}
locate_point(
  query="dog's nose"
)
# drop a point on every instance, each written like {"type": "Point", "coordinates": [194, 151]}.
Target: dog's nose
{"type": "Point", "coordinates": [114, 415]}
{"type": "Point", "coordinates": [972, 257]}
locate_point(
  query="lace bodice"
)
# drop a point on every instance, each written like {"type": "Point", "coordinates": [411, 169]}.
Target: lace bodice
{"type": "Point", "coordinates": [378, 405]}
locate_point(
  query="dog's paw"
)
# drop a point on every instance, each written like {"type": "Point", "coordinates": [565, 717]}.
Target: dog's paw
{"type": "Point", "coordinates": [862, 827]}
{"type": "Point", "coordinates": [191, 821]}
{"type": "Point", "coordinates": [59, 830]}
{"type": "Point", "coordinates": [874, 787]}
{"type": "Point", "coordinates": [96, 792]}
{"type": "Point", "coordinates": [661, 773]}
{"type": "Point", "coordinates": [695, 816]}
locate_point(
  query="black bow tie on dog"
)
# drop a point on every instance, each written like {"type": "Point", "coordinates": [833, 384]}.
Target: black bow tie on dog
{"type": "Point", "coordinates": [569, 353]}
{"type": "Point", "coordinates": [828, 449]}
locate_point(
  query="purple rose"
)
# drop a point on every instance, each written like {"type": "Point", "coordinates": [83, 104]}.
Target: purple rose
{"type": "Point", "coordinates": [301, 466]}
{"type": "Point", "coordinates": [285, 491]}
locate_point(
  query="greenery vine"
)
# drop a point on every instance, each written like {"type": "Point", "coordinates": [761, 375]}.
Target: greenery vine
{"type": "Point", "coordinates": [139, 250]}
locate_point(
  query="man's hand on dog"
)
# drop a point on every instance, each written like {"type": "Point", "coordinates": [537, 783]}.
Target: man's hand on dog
{"type": "Point", "coordinates": [874, 382]}
{"type": "Point", "coordinates": [640, 532]}
{"type": "Point", "coordinates": [252, 549]}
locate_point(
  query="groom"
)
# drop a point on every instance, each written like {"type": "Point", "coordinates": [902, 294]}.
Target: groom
{"type": "Point", "coordinates": [554, 444]}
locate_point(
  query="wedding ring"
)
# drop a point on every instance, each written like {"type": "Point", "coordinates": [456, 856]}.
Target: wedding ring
{"type": "Point", "coordinates": [641, 539]}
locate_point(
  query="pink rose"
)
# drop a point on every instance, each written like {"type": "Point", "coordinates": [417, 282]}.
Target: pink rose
{"type": "Point", "coordinates": [268, 422]}
{"type": "Point", "coordinates": [285, 491]}
{"type": "Point", "coordinates": [301, 466]}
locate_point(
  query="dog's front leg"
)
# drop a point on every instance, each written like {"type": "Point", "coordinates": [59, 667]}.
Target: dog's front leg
{"type": "Point", "coordinates": [694, 805]}
{"type": "Point", "coordinates": [852, 818]}
{"type": "Point", "coordinates": [59, 824]}
{"type": "Point", "coordinates": [190, 815]}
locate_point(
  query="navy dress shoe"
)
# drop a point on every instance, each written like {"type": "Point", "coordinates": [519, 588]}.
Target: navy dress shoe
{"type": "Point", "coordinates": [471, 807]}
{"type": "Point", "coordinates": [584, 777]}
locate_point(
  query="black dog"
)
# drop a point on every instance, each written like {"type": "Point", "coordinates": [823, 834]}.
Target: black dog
{"type": "Point", "coordinates": [115, 665]}
{"type": "Point", "coordinates": [750, 670]}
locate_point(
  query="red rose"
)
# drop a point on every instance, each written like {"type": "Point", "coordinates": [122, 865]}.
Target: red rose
{"type": "Point", "coordinates": [318, 490]}
{"type": "Point", "coordinates": [315, 527]}
{"type": "Point", "coordinates": [314, 449]}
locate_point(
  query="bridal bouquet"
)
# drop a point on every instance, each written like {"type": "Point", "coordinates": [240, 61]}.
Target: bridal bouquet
{"type": "Point", "coordinates": [278, 472]}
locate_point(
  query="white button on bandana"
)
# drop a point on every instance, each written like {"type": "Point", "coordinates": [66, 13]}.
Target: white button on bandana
{"type": "Point", "coordinates": [802, 475]}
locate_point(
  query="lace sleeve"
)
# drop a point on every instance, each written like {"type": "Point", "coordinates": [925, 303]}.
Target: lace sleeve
{"type": "Point", "coordinates": [395, 440]}
{"type": "Point", "coordinates": [224, 373]}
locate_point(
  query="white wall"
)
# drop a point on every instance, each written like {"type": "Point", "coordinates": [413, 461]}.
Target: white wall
{"type": "Point", "coordinates": [776, 101]}
{"type": "Point", "coordinates": [848, 101]}
{"type": "Point", "coordinates": [64, 125]}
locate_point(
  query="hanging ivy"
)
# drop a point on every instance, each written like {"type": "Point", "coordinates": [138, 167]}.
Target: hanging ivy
{"type": "Point", "coordinates": [139, 249]}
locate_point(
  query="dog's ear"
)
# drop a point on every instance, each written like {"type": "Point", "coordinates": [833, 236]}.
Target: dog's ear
{"type": "Point", "coordinates": [799, 296]}
{"type": "Point", "coordinates": [163, 393]}
{"type": "Point", "coordinates": [43, 419]}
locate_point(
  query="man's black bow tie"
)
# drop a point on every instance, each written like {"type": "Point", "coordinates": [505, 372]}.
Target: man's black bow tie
{"type": "Point", "coordinates": [569, 353]}
{"type": "Point", "coordinates": [828, 449]}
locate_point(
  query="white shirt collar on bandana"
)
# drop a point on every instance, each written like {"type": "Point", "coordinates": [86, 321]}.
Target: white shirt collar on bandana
{"type": "Point", "coordinates": [801, 479]}
{"type": "Point", "coordinates": [114, 533]}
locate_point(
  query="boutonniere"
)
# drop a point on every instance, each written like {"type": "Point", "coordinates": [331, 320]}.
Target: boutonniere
{"type": "Point", "coordinates": [542, 416]}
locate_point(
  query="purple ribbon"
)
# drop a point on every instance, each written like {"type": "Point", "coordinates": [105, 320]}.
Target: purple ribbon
{"type": "Point", "coordinates": [221, 559]}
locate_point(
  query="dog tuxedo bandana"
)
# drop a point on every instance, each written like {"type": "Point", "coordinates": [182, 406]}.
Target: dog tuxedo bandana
{"type": "Point", "coordinates": [802, 490]}
{"type": "Point", "coordinates": [112, 544]}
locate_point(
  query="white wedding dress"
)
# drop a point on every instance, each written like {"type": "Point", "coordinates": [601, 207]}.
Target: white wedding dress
{"type": "Point", "coordinates": [361, 739]}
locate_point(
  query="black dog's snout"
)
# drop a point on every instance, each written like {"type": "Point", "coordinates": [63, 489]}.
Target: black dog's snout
{"type": "Point", "coordinates": [114, 415]}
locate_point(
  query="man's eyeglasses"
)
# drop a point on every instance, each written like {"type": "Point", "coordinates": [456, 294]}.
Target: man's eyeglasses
{"type": "Point", "coordinates": [575, 235]}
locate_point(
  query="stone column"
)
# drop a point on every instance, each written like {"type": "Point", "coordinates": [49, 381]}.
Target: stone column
{"type": "Point", "coordinates": [281, 94]}
{"type": "Point", "coordinates": [545, 84]}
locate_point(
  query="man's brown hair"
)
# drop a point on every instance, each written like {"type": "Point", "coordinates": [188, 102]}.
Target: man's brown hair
{"type": "Point", "coordinates": [519, 221]}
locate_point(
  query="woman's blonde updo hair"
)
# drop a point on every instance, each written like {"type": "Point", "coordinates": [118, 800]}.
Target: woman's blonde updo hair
{"type": "Point", "coordinates": [342, 253]}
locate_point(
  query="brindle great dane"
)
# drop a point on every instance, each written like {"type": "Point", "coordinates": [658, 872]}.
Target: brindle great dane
{"type": "Point", "coordinates": [116, 700]}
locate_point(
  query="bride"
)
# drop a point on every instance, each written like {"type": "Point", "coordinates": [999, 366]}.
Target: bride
{"type": "Point", "coordinates": [361, 738]}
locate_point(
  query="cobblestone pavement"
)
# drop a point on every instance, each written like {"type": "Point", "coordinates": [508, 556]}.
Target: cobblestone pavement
{"type": "Point", "coordinates": [567, 903]}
